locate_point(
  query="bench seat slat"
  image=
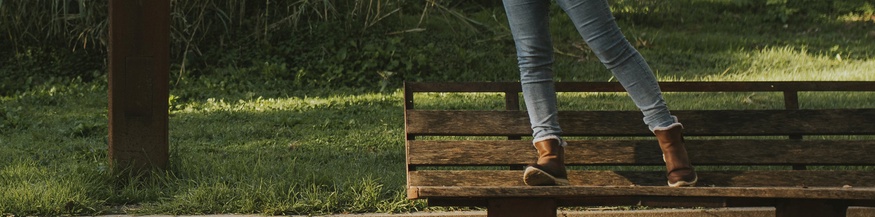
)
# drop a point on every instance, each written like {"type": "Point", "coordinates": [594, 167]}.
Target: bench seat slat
{"type": "Point", "coordinates": [646, 152]}
{"type": "Point", "coordinates": [419, 192]}
{"type": "Point", "coordinates": [628, 123]}
{"type": "Point", "coordinates": [750, 178]}
{"type": "Point", "coordinates": [650, 201]}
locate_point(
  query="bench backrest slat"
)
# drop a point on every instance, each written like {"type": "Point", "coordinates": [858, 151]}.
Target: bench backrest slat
{"type": "Point", "coordinates": [501, 87]}
{"type": "Point", "coordinates": [628, 123]}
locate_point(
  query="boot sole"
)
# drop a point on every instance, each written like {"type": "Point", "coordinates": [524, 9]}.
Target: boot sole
{"type": "Point", "coordinates": [537, 177]}
{"type": "Point", "coordinates": [685, 183]}
{"type": "Point", "coordinates": [682, 183]}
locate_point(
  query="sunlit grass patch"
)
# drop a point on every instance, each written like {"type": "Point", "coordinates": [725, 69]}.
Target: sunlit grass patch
{"type": "Point", "coordinates": [792, 64]}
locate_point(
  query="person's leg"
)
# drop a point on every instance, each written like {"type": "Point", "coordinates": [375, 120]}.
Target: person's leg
{"type": "Point", "coordinates": [595, 23]}
{"type": "Point", "coordinates": [529, 20]}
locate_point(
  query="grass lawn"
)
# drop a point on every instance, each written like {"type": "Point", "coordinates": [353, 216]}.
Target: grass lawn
{"type": "Point", "coordinates": [250, 146]}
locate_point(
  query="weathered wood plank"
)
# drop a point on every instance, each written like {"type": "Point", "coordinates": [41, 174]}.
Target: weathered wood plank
{"type": "Point", "coordinates": [628, 123]}
{"type": "Point", "coordinates": [646, 152]}
{"type": "Point", "coordinates": [780, 178]}
{"type": "Point", "coordinates": [500, 123]}
{"type": "Point", "coordinates": [764, 86]}
{"type": "Point", "coordinates": [419, 192]}
{"type": "Point", "coordinates": [651, 201]}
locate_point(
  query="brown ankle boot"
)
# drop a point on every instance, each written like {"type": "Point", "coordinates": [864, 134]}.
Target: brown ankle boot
{"type": "Point", "coordinates": [677, 163]}
{"type": "Point", "coordinates": [550, 168]}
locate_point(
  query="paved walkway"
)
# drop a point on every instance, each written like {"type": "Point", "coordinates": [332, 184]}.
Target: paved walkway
{"type": "Point", "coordinates": [721, 212]}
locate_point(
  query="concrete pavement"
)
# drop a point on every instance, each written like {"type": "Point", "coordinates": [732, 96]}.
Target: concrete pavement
{"type": "Point", "coordinates": [721, 212]}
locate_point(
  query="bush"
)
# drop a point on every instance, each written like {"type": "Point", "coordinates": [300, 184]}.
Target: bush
{"type": "Point", "coordinates": [320, 43]}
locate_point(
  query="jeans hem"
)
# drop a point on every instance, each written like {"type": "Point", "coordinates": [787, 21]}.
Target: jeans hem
{"type": "Point", "coordinates": [549, 137]}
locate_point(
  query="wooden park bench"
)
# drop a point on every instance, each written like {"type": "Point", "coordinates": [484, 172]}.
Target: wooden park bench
{"type": "Point", "coordinates": [803, 162]}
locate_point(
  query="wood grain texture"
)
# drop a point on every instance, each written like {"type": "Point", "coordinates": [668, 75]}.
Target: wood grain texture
{"type": "Point", "coordinates": [752, 178]}
{"type": "Point", "coordinates": [652, 201]}
{"type": "Point", "coordinates": [765, 86]}
{"type": "Point", "coordinates": [647, 152]}
{"type": "Point", "coordinates": [628, 123]}
{"type": "Point", "coordinates": [138, 62]}
{"type": "Point", "coordinates": [419, 192]}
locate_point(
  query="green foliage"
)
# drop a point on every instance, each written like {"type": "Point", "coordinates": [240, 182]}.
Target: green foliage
{"type": "Point", "coordinates": [298, 45]}
{"type": "Point", "coordinates": [9, 119]}
{"type": "Point", "coordinates": [36, 65]}
{"type": "Point", "coordinates": [861, 7]}
{"type": "Point", "coordinates": [72, 34]}
{"type": "Point", "coordinates": [307, 119]}
{"type": "Point", "coordinates": [658, 13]}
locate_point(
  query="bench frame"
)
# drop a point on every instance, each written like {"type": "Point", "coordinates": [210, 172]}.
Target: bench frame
{"type": "Point", "coordinates": [544, 201]}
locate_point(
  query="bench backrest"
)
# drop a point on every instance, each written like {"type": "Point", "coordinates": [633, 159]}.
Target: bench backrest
{"type": "Point", "coordinates": [743, 148]}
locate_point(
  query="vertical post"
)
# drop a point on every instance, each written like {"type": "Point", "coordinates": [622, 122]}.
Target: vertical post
{"type": "Point", "coordinates": [521, 207]}
{"type": "Point", "coordinates": [408, 105]}
{"type": "Point", "coordinates": [512, 103]}
{"type": "Point", "coordinates": [802, 207]}
{"type": "Point", "coordinates": [791, 102]}
{"type": "Point", "coordinates": [139, 68]}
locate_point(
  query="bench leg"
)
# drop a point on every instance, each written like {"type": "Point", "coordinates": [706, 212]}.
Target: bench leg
{"type": "Point", "coordinates": [521, 207]}
{"type": "Point", "coordinates": [800, 207]}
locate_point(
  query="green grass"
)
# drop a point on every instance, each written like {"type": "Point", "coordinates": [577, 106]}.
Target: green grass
{"type": "Point", "coordinates": [295, 155]}
{"type": "Point", "coordinates": [247, 138]}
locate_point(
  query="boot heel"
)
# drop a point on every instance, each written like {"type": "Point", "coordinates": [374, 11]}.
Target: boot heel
{"type": "Point", "coordinates": [550, 167]}
{"type": "Point", "coordinates": [537, 177]}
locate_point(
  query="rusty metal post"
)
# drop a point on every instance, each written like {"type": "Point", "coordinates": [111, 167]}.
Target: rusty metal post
{"type": "Point", "coordinates": [139, 69]}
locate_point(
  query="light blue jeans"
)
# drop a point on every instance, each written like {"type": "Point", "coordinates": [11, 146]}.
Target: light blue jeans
{"type": "Point", "coordinates": [529, 22]}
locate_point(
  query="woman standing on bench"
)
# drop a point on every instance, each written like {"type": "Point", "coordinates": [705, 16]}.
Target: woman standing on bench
{"type": "Point", "coordinates": [529, 22]}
